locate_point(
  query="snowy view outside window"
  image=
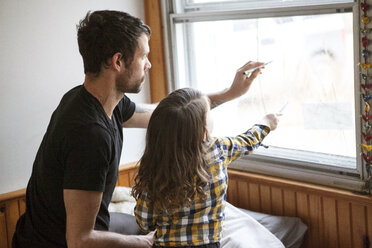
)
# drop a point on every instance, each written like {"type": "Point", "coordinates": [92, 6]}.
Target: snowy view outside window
{"type": "Point", "coordinates": [312, 70]}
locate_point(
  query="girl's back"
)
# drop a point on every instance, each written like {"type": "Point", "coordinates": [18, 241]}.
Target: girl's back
{"type": "Point", "coordinates": [182, 180]}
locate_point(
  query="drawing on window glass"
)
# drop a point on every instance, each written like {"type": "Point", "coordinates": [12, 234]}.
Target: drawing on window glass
{"type": "Point", "coordinates": [312, 70]}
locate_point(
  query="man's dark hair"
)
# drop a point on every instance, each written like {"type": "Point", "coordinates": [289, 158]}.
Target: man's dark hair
{"type": "Point", "coordinates": [101, 34]}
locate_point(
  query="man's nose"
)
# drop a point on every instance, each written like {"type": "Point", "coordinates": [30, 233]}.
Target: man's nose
{"type": "Point", "coordinates": [148, 65]}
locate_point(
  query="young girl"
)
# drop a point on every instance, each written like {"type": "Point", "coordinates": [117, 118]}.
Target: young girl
{"type": "Point", "coordinates": [182, 179]}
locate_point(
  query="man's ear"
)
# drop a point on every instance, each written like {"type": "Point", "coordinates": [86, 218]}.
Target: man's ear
{"type": "Point", "coordinates": [117, 61]}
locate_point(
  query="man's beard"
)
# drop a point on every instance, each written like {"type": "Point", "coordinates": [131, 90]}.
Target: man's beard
{"type": "Point", "coordinates": [133, 87]}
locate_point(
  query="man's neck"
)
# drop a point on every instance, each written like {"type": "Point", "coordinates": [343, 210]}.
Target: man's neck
{"type": "Point", "coordinates": [103, 88]}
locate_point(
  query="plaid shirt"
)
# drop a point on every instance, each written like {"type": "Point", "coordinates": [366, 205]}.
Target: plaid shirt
{"type": "Point", "coordinates": [201, 223]}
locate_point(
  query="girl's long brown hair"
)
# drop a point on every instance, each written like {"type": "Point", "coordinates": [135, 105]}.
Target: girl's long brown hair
{"type": "Point", "coordinates": [172, 169]}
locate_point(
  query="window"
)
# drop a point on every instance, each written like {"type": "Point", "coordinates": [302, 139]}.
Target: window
{"type": "Point", "coordinates": [313, 46]}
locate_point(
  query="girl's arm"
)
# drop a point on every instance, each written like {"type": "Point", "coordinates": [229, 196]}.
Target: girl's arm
{"type": "Point", "coordinates": [244, 144]}
{"type": "Point", "coordinates": [232, 148]}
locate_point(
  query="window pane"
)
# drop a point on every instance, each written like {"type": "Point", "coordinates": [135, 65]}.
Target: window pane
{"type": "Point", "coordinates": [312, 70]}
{"type": "Point", "coordinates": [284, 2]}
{"type": "Point", "coordinates": [209, 1]}
{"type": "Point", "coordinates": [281, 3]}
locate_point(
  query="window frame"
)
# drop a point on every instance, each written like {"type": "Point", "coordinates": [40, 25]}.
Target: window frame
{"type": "Point", "coordinates": [318, 171]}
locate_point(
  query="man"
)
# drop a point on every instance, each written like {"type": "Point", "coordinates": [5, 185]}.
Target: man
{"type": "Point", "coordinates": [75, 170]}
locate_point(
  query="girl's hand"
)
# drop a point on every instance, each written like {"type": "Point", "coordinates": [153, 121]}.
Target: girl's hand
{"type": "Point", "coordinates": [271, 120]}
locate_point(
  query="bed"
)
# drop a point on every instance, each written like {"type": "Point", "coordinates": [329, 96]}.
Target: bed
{"type": "Point", "coordinates": [242, 228]}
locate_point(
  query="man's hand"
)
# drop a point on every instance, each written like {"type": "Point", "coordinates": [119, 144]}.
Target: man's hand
{"type": "Point", "coordinates": [271, 120]}
{"type": "Point", "coordinates": [239, 87]}
{"type": "Point", "coordinates": [242, 82]}
{"type": "Point", "coordinates": [143, 241]}
{"type": "Point", "coordinates": [149, 238]}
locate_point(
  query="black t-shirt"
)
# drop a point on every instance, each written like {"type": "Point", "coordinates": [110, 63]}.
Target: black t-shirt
{"type": "Point", "coordinates": [80, 150]}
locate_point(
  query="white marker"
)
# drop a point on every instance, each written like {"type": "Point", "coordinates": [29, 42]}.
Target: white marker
{"type": "Point", "coordinates": [282, 108]}
{"type": "Point", "coordinates": [253, 69]}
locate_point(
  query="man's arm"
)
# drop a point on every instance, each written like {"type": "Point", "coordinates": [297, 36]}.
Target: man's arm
{"type": "Point", "coordinates": [239, 87]}
{"type": "Point", "coordinates": [81, 211]}
{"type": "Point", "coordinates": [141, 116]}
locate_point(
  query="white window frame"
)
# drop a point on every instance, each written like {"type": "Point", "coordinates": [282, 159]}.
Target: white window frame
{"type": "Point", "coordinates": [302, 166]}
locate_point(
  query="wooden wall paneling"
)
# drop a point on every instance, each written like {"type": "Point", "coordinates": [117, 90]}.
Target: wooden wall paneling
{"type": "Point", "coordinates": [265, 195]}
{"type": "Point", "coordinates": [22, 206]}
{"type": "Point", "coordinates": [3, 231]}
{"type": "Point", "coordinates": [277, 201]}
{"type": "Point", "coordinates": [11, 216]}
{"type": "Point", "coordinates": [369, 222]}
{"type": "Point", "coordinates": [131, 175]}
{"type": "Point", "coordinates": [331, 238]}
{"type": "Point", "coordinates": [232, 192]}
{"type": "Point", "coordinates": [158, 80]}
{"type": "Point", "coordinates": [303, 212]}
{"type": "Point", "coordinates": [126, 174]}
{"type": "Point", "coordinates": [358, 224]}
{"type": "Point", "coordinates": [243, 194]}
{"type": "Point", "coordinates": [344, 223]}
{"type": "Point", "coordinates": [12, 195]}
{"type": "Point", "coordinates": [124, 179]}
{"type": "Point", "coordinates": [335, 218]}
{"type": "Point", "coordinates": [316, 220]}
{"type": "Point", "coordinates": [302, 205]}
{"type": "Point", "coordinates": [254, 197]}
{"type": "Point", "coordinates": [289, 203]}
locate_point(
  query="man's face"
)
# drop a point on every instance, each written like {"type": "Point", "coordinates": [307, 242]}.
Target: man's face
{"type": "Point", "coordinates": [132, 78]}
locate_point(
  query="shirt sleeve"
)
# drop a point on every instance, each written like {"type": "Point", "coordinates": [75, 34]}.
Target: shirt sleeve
{"type": "Point", "coordinates": [125, 108]}
{"type": "Point", "coordinates": [229, 149]}
{"type": "Point", "coordinates": [145, 216]}
{"type": "Point", "coordinates": [87, 159]}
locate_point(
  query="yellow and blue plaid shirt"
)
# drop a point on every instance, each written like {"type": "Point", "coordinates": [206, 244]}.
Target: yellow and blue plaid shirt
{"type": "Point", "coordinates": [201, 223]}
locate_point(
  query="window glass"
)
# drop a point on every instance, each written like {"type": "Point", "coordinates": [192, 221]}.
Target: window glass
{"type": "Point", "coordinates": [199, 5]}
{"type": "Point", "coordinates": [282, 2]}
{"type": "Point", "coordinates": [311, 70]}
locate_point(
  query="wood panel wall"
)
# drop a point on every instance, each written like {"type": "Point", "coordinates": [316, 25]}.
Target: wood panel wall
{"type": "Point", "coordinates": [126, 175]}
{"type": "Point", "coordinates": [12, 205]}
{"type": "Point", "coordinates": [336, 218]}
{"type": "Point", "coordinates": [158, 78]}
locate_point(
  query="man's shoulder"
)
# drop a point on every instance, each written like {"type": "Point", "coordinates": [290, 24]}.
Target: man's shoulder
{"type": "Point", "coordinates": [77, 113]}
{"type": "Point", "coordinates": [125, 108]}
{"type": "Point", "coordinates": [77, 107]}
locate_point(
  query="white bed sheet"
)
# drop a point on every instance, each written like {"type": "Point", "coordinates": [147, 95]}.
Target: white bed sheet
{"type": "Point", "coordinates": [240, 229]}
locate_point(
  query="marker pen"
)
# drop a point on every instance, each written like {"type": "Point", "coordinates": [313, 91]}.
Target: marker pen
{"type": "Point", "coordinates": [253, 69]}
